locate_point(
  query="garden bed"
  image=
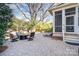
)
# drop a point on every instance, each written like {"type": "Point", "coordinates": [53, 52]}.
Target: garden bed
{"type": "Point", "coordinates": [3, 48]}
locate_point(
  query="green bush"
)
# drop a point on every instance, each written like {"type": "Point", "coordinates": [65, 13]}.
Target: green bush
{"type": "Point", "coordinates": [5, 19]}
{"type": "Point", "coordinates": [48, 30]}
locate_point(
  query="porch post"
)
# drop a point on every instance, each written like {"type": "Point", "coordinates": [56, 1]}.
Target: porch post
{"type": "Point", "coordinates": [63, 23]}
{"type": "Point", "coordinates": [76, 21]}
{"type": "Point", "coordinates": [53, 22]}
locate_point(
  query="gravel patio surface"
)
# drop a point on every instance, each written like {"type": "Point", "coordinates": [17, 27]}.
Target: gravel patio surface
{"type": "Point", "coordinates": [40, 46]}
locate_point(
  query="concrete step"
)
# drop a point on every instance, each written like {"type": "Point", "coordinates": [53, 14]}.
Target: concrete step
{"type": "Point", "coordinates": [66, 36]}
{"type": "Point", "coordinates": [71, 37]}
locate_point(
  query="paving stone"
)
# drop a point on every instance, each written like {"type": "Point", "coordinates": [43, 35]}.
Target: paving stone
{"type": "Point", "coordinates": [40, 46]}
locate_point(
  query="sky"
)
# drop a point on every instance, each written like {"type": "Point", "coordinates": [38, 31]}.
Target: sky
{"type": "Point", "coordinates": [19, 15]}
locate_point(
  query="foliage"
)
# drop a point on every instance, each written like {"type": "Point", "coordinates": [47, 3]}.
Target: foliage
{"type": "Point", "coordinates": [19, 24]}
{"type": "Point", "coordinates": [44, 26]}
{"type": "Point", "coordinates": [32, 24]}
{"type": "Point", "coordinates": [49, 29]}
{"type": "Point", "coordinates": [5, 20]}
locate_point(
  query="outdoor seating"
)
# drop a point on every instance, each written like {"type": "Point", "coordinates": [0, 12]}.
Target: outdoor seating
{"type": "Point", "coordinates": [22, 36]}
{"type": "Point", "coordinates": [30, 39]}
{"type": "Point", "coordinates": [51, 34]}
{"type": "Point", "coordinates": [48, 34]}
{"type": "Point", "coordinates": [13, 38]}
{"type": "Point", "coordinates": [17, 34]}
{"type": "Point", "coordinates": [31, 36]}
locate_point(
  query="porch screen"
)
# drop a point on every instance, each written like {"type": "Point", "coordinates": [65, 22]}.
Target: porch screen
{"type": "Point", "coordinates": [58, 21]}
{"type": "Point", "coordinates": [70, 24]}
{"type": "Point", "coordinates": [69, 13]}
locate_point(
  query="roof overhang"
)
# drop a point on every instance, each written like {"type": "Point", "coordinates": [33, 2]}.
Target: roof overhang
{"type": "Point", "coordinates": [60, 7]}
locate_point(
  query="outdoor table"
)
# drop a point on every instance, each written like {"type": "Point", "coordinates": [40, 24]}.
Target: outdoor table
{"type": "Point", "coordinates": [73, 42]}
{"type": "Point", "coordinates": [22, 36]}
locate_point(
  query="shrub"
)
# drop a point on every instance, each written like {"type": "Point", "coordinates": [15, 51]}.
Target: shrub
{"type": "Point", "coordinates": [5, 19]}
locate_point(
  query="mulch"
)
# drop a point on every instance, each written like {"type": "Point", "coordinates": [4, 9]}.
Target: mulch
{"type": "Point", "coordinates": [3, 48]}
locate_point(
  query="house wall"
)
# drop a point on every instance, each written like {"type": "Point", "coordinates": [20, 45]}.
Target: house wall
{"type": "Point", "coordinates": [76, 29]}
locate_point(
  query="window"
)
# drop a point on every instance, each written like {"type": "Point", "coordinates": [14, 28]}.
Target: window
{"type": "Point", "coordinates": [58, 21]}
{"type": "Point", "coordinates": [69, 28]}
{"type": "Point", "coordinates": [70, 24]}
{"type": "Point", "coordinates": [70, 20]}
{"type": "Point", "coordinates": [70, 11]}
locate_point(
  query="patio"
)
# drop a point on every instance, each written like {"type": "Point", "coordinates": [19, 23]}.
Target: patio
{"type": "Point", "coordinates": [40, 46]}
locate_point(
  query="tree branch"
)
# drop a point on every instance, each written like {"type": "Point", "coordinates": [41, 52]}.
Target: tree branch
{"type": "Point", "coordinates": [22, 11]}
{"type": "Point", "coordinates": [46, 12]}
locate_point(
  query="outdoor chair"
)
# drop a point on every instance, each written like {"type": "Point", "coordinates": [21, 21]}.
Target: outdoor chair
{"type": "Point", "coordinates": [17, 34]}
{"type": "Point", "coordinates": [13, 38]}
{"type": "Point", "coordinates": [31, 36]}
{"type": "Point", "coordinates": [48, 34]}
{"type": "Point", "coordinates": [51, 34]}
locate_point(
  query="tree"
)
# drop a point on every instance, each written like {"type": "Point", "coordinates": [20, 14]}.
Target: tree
{"type": "Point", "coordinates": [17, 24]}
{"type": "Point", "coordinates": [5, 20]}
{"type": "Point", "coordinates": [36, 11]}
{"type": "Point", "coordinates": [30, 25]}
